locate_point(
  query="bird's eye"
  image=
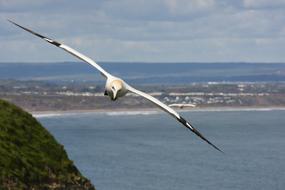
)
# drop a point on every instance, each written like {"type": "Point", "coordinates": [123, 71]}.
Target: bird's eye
{"type": "Point", "coordinates": [113, 87]}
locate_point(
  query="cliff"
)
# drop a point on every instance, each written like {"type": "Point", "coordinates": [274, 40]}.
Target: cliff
{"type": "Point", "coordinates": [30, 157]}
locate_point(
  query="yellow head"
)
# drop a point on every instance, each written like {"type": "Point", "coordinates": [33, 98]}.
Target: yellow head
{"type": "Point", "coordinates": [116, 87]}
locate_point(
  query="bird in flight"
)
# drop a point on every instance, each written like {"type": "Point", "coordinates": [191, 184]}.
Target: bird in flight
{"type": "Point", "coordinates": [115, 87]}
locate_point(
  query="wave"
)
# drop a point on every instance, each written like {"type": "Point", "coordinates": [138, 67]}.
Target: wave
{"type": "Point", "coordinates": [233, 109]}
{"type": "Point", "coordinates": [58, 114]}
{"type": "Point", "coordinates": [108, 113]}
{"type": "Point", "coordinates": [46, 115]}
{"type": "Point", "coordinates": [147, 112]}
{"type": "Point", "coordinates": [119, 113]}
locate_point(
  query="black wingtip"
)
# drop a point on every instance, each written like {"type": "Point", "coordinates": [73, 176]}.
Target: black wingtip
{"type": "Point", "coordinates": [16, 24]}
{"type": "Point", "coordinates": [11, 22]}
{"type": "Point", "coordinates": [28, 30]}
{"type": "Point", "coordinates": [36, 34]}
{"type": "Point", "coordinates": [191, 128]}
{"type": "Point", "coordinates": [202, 137]}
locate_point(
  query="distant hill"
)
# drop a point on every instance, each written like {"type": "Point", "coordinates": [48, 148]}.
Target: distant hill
{"type": "Point", "coordinates": [30, 158]}
{"type": "Point", "coordinates": [147, 73]}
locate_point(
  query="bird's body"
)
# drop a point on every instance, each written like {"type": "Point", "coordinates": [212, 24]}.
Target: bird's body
{"type": "Point", "coordinates": [116, 87]}
{"type": "Point", "coordinates": [181, 106]}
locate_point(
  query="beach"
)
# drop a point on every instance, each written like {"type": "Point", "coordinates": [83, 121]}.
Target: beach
{"type": "Point", "coordinates": [147, 111]}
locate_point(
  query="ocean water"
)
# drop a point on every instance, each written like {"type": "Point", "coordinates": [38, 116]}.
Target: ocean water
{"type": "Point", "coordinates": [151, 151]}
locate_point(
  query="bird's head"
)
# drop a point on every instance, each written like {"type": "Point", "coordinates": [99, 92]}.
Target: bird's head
{"type": "Point", "coordinates": [116, 87]}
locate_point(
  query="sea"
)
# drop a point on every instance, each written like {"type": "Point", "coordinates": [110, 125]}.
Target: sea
{"type": "Point", "coordinates": [152, 151]}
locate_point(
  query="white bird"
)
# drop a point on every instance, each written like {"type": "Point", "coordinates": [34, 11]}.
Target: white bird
{"type": "Point", "coordinates": [115, 87]}
{"type": "Point", "coordinates": [181, 106]}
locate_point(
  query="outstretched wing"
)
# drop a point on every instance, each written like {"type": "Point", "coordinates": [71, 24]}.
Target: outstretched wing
{"type": "Point", "coordinates": [68, 49]}
{"type": "Point", "coordinates": [106, 74]}
{"type": "Point", "coordinates": [172, 113]}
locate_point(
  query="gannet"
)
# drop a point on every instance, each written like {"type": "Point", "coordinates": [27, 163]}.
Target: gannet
{"type": "Point", "coordinates": [116, 87]}
{"type": "Point", "coordinates": [181, 106]}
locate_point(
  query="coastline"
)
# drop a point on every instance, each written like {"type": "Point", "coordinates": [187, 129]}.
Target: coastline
{"type": "Point", "coordinates": [148, 111]}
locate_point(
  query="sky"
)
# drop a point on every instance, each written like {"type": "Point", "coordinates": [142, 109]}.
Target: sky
{"type": "Point", "coordinates": [145, 30]}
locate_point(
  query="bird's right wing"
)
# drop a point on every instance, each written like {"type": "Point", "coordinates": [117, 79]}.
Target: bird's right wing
{"type": "Point", "coordinates": [67, 49]}
{"type": "Point", "coordinates": [171, 112]}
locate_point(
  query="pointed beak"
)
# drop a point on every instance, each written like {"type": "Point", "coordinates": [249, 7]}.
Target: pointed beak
{"type": "Point", "coordinates": [114, 94]}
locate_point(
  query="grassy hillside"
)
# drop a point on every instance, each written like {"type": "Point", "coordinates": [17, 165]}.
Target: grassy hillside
{"type": "Point", "coordinates": [30, 158]}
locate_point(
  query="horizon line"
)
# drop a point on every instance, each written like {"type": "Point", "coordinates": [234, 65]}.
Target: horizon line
{"type": "Point", "coordinates": [146, 62]}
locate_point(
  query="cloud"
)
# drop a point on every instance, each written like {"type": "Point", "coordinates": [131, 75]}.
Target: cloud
{"type": "Point", "coordinates": [156, 10]}
{"type": "Point", "coordinates": [263, 3]}
{"type": "Point", "coordinates": [145, 30]}
{"type": "Point", "coordinates": [182, 7]}
{"type": "Point", "coordinates": [19, 5]}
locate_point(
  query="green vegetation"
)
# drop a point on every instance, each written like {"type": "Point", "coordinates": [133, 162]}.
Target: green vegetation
{"type": "Point", "coordinates": [30, 158]}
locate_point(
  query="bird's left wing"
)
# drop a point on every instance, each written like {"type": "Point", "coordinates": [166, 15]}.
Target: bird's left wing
{"type": "Point", "coordinates": [171, 112]}
{"type": "Point", "coordinates": [67, 49]}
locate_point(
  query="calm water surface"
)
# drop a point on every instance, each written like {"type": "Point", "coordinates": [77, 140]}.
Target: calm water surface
{"type": "Point", "coordinates": [154, 152]}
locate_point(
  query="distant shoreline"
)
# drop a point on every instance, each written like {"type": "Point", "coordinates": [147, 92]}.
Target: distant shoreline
{"type": "Point", "coordinates": [147, 111]}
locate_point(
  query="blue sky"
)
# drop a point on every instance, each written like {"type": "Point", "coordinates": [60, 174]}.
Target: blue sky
{"type": "Point", "coordinates": [146, 30]}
